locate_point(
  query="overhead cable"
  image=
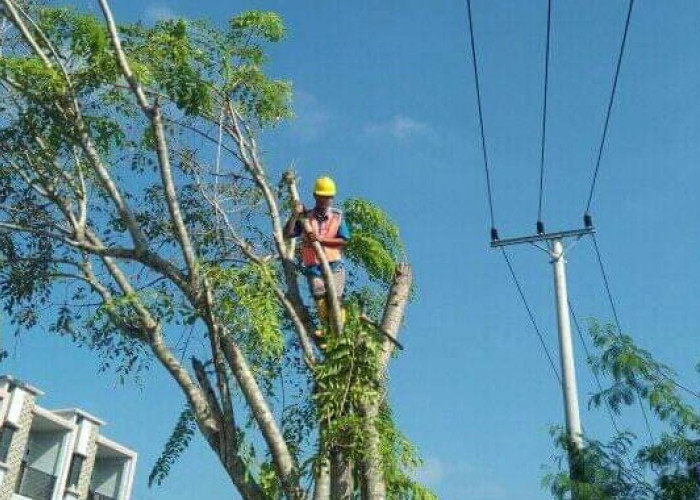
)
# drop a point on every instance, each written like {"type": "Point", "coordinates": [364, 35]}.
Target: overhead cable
{"type": "Point", "coordinates": [610, 105]}
{"type": "Point", "coordinates": [617, 320]}
{"type": "Point", "coordinates": [530, 314]}
{"type": "Point", "coordinates": [617, 324]}
{"type": "Point", "coordinates": [589, 360]}
{"type": "Point", "coordinates": [494, 234]}
{"type": "Point", "coordinates": [540, 224]}
{"type": "Point", "coordinates": [629, 473]}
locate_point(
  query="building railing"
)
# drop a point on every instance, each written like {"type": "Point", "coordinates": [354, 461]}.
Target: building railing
{"type": "Point", "coordinates": [35, 484]}
{"type": "Point", "coordinates": [93, 495]}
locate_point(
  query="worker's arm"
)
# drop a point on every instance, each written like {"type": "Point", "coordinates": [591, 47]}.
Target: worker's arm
{"type": "Point", "coordinates": [334, 242]}
{"type": "Point", "coordinates": [328, 242]}
{"type": "Point", "coordinates": [290, 228]}
{"type": "Point", "coordinates": [338, 241]}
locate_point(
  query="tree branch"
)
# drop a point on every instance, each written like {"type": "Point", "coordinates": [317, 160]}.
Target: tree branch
{"type": "Point", "coordinates": [19, 24]}
{"type": "Point", "coordinates": [302, 323]}
{"type": "Point", "coordinates": [281, 456]}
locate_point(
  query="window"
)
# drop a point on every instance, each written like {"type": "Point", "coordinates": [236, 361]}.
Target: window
{"type": "Point", "coordinates": [6, 434]}
{"type": "Point", "coordinates": [76, 466]}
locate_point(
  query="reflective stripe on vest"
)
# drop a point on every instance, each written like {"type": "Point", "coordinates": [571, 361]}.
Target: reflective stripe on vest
{"type": "Point", "coordinates": [308, 256]}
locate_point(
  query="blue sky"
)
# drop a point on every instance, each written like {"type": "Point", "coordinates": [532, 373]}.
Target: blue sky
{"type": "Point", "coordinates": [385, 103]}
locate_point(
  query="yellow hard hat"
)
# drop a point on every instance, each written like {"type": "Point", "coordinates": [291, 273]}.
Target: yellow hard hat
{"type": "Point", "coordinates": [324, 186]}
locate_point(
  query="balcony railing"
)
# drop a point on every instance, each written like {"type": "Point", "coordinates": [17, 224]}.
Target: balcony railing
{"type": "Point", "coordinates": [99, 496]}
{"type": "Point", "coordinates": [35, 484]}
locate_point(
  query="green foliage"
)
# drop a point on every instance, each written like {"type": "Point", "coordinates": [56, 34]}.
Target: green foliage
{"type": "Point", "coordinates": [169, 59]}
{"type": "Point", "coordinates": [30, 73]}
{"type": "Point", "coordinates": [191, 71]}
{"type": "Point", "coordinates": [177, 443]}
{"type": "Point", "coordinates": [604, 471]}
{"type": "Point", "coordinates": [249, 308]}
{"type": "Point", "coordinates": [267, 100]}
{"type": "Point", "coordinates": [255, 23]}
{"type": "Point", "coordinates": [400, 461]}
{"type": "Point", "coordinates": [269, 482]}
{"type": "Point", "coordinates": [115, 331]}
{"type": "Point", "coordinates": [25, 276]}
{"type": "Point", "coordinates": [88, 42]}
{"type": "Point", "coordinates": [374, 243]}
{"type": "Point", "coordinates": [668, 467]}
{"type": "Point", "coordinates": [634, 372]}
{"type": "Point", "coordinates": [345, 381]}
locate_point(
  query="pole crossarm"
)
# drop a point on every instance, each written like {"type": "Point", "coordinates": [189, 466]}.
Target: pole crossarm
{"type": "Point", "coordinates": [574, 233]}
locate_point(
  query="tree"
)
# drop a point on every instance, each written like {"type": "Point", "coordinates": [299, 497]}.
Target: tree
{"type": "Point", "coordinates": [665, 467]}
{"type": "Point", "coordinates": [132, 180]}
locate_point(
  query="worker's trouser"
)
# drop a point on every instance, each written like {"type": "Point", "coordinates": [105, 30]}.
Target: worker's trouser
{"type": "Point", "coordinates": [318, 286]}
{"type": "Point", "coordinates": [318, 290]}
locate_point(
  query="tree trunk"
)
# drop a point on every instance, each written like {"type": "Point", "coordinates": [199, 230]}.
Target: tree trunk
{"type": "Point", "coordinates": [373, 484]}
{"type": "Point", "coordinates": [281, 456]}
{"type": "Point", "coordinates": [322, 489]}
{"type": "Point", "coordinates": [371, 472]}
{"type": "Point", "coordinates": [342, 484]}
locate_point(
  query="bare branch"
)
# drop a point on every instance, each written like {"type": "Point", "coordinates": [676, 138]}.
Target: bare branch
{"type": "Point", "coordinates": [11, 9]}
{"type": "Point", "coordinates": [251, 162]}
{"type": "Point", "coordinates": [159, 348]}
{"type": "Point", "coordinates": [392, 319]}
{"type": "Point", "coordinates": [301, 326]}
{"type": "Point", "coordinates": [154, 114]}
{"type": "Point", "coordinates": [121, 58]}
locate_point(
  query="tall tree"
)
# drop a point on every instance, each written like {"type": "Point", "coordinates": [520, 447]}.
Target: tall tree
{"type": "Point", "coordinates": [132, 180]}
{"type": "Point", "coordinates": [663, 465]}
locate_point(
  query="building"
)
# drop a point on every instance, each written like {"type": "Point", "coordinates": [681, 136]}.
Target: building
{"type": "Point", "coordinates": [59, 454]}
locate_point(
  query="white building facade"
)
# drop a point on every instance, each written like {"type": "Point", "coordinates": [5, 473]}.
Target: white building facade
{"type": "Point", "coordinates": [59, 454]}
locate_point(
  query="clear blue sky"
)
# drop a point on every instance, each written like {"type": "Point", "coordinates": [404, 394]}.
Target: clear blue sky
{"type": "Point", "coordinates": [385, 103]}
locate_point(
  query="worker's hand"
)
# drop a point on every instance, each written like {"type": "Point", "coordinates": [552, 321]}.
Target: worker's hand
{"type": "Point", "coordinates": [299, 209]}
{"type": "Point", "coordinates": [311, 237]}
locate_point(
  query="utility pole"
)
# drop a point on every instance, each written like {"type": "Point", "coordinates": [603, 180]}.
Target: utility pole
{"type": "Point", "coordinates": [555, 249]}
{"type": "Point", "coordinates": [566, 348]}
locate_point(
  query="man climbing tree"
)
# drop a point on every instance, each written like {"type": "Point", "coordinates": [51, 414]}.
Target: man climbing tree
{"type": "Point", "coordinates": [137, 214]}
{"type": "Point", "coordinates": [327, 227]}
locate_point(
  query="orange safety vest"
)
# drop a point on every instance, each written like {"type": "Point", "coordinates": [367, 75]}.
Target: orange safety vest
{"type": "Point", "coordinates": [326, 229]}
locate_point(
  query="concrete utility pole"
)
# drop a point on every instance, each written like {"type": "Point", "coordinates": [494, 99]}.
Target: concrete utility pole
{"type": "Point", "coordinates": [556, 251]}
{"type": "Point", "coordinates": [566, 348]}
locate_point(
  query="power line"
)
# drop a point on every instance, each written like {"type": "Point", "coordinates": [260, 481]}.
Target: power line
{"type": "Point", "coordinates": [617, 320]}
{"type": "Point", "coordinates": [530, 314]}
{"type": "Point", "coordinates": [589, 358]}
{"type": "Point", "coordinates": [481, 119]}
{"type": "Point", "coordinates": [610, 104]}
{"type": "Point", "coordinates": [629, 473]}
{"type": "Point", "coordinates": [540, 226]}
{"type": "Point", "coordinates": [617, 324]}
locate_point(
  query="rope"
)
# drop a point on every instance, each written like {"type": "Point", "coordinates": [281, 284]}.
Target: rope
{"type": "Point", "coordinates": [481, 116]}
{"type": "Point", "coordinates": [530, 314]}
{"type": "Point", "coordinates": [610, 104]}
{"type": "Point", "coordinates": [544, 112]}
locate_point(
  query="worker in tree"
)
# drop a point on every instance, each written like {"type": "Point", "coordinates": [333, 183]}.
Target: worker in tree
{"type": "Point", "coordinates": [329, 229]}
